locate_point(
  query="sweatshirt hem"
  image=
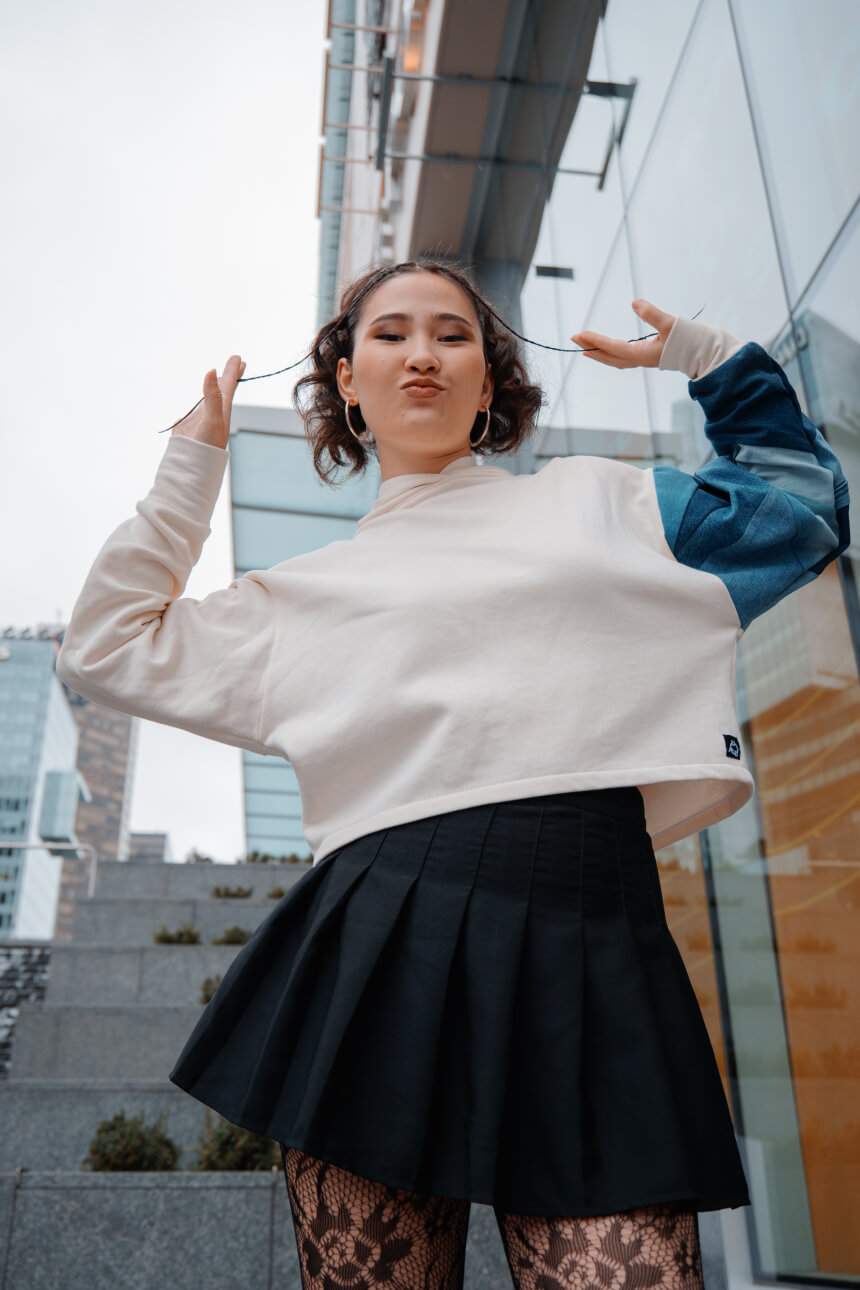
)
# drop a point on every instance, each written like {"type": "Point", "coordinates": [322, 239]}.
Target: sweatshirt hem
{"type": "Point", "coordinates": [739, 788]}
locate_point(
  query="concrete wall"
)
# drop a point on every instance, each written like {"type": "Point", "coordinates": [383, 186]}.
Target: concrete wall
{"type": "Point", "coordinates": [92, 1043]}
{"type": "Point", "coordinates": [49, 1124]}
{"type": "Point", "coordinates": [129, 879]}
{"type": "Point", "coordinates": [116, 1012]}
{"type": "Point", "coordinates": [117, 922]}
{"type": "Point", "coordinates": [149, 974]}
{"type": "Point", "coordinates": [186, 1231]}
{"type": "Point", "coordinates": [78, 1231]}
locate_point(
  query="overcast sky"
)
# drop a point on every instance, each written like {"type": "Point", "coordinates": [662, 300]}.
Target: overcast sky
{"type": "Point", "coordinates": [160, 176]}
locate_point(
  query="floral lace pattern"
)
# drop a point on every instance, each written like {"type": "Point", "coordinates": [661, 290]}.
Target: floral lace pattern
{"type": "Point", "coordinates": [654, 1246]}
{"type": "Point", "coordinates": [354, 1233]}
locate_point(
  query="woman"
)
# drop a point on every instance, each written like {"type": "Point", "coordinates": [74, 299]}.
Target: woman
{"type": "Point", "coordinates": [498, 696]}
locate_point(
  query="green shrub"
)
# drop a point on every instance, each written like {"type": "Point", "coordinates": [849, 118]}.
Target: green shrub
{"type": "Point", "coordinates": [195, 857]}
{"type": "Point", "coordinates": [184, 935]}
{"type": "Point", "coordinates": [121, 1144]}
{"type": "Point", "coordinates": [233, 936]}
{"type": "Point", "coordinates": [227, 1146]}
{"type": "Point", "coordinates": [209, 986]}
{"type": "Point", "coordinates": [277, 893]}
{"type": "Point", "coordinates": [263, 857]}
{"type": "Point", "coordinates": [228, 892]}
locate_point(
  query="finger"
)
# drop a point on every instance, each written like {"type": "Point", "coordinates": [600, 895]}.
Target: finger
{"type": "Point", "coordinates": [657, 317]}
{"type": "Point", "coordinates": [608, 361]}
{"type": "Point", "coordinates": [604, 345]}
{"type": "Point", "coordinates": [232, 371]}
{"type": "Point", "coordinates": [211, 388]}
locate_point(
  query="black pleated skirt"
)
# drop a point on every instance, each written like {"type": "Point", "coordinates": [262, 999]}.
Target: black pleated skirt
{"type": "Point", "coordinates": [485, 1004]}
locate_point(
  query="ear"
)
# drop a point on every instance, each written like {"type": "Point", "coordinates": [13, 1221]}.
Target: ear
{"type": "Point", "coordinates": [344, 379]}
{"type": "Point", "coordinates": [488, 387]}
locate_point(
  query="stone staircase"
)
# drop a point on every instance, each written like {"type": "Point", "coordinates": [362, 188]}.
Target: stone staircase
{"type": "Point", "coordinates": [118, 1008]}
{"type": "Point", "coordinates": [101, 1037]}
{"type": "Point", "coordinates": [115, 1013]}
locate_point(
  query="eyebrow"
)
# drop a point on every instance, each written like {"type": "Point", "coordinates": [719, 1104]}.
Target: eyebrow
{"type": "Point", "coordinates": [435, 318]}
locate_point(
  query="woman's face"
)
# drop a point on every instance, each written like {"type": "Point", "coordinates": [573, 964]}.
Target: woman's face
{"type": "Point", "coordinates": [435, 337]}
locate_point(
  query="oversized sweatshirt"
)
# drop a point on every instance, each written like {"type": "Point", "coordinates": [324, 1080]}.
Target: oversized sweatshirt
{"type": "Point", "coordinates": [484, 636]}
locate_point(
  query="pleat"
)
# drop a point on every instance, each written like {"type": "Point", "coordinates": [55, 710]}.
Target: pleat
{"type": "Point", "coordinates": [472, 1037]}
{"type": "Point", "coordinates": [661, 1122]}
{"type": "Point", "coordinates": [391, 1040]}
{"type": "Point", "coordinates": [706, 1150]}
{"type": "Point", "coordinates": [347, 1062]}
{"type": "Point", "coordinates": [485, 1004]}
{"type": "Point", "coordinates": [637, 1128]}
{"type": "Point", "coordinates": [290, 1024]}
{"type": "Point", "coordinates": [545, 1065]}
{"type": "Point", "coordinates": [218, 1057]}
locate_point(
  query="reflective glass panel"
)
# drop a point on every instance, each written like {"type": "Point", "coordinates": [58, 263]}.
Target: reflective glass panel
{"type": "Point", "coordinates": [801, 63]}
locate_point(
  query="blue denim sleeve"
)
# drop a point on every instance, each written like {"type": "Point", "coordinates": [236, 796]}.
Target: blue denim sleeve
{"type": "Point", "coordinates": [770, 511]}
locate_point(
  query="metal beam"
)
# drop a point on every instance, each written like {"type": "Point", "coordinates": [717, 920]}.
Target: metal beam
{"type": "Point", "coordinates": [384, 108]}
{"type": "Point", "coordinates": [454, 158]}
{"type": "Point", "coordinates": [602, 89]}
{"type": "Point", "coordinates": [353, 26]}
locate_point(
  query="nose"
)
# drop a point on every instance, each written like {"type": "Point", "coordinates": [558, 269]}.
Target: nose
{"type": "Point", "coordinates": [421, 357]}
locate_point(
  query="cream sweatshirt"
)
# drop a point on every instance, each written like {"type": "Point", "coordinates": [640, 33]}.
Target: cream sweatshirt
{"type": "Point", "coordinates": [484, 636]}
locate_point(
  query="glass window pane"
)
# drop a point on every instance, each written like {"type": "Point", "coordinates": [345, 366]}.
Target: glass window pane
{"type": "Point", "coordinates": [788, 861]}
{"type": "Point", "coordinates": [279, 776]}
{"type": "Point", "coordinates": [282, 806]}
{"type": "Point", "coordinates": [278, 844]}
{"type": "Point", "coordinates": [277, 470]}
{"type": "Point", "coordinates": [544, 301]}
{"type": "Point", "coordinates": [262, 539]}
{"type": "Point", "coordinates": [643, 42]}
{"type": "Point", "coordinates": [829, 358]}
{"type": "Point", "coordinates": [802, 64]}
{"type": "Point", "coordinates": [699, 223]}
{"type": "Point", "coordinates": [581, 223]}
{"type": "Point", "coordinates": [593, 394]}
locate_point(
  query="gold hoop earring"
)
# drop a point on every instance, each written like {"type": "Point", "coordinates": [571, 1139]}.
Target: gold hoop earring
{"type": "Point", "coordinates": [362, 438]}
{"type": "Point", "coordinates": [475, 442]}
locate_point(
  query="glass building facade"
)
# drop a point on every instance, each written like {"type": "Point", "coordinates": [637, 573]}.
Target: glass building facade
{"type": "Point", "coordinates": [281, 509]}
{"type": "Point", "coordinates": [732, 194]}
{"type": "Point", "coordinates": [700, 154]}
{"type": "Point", "coordinates": [40, 786]}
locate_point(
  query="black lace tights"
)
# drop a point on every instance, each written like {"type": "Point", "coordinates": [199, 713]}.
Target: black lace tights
{"type": "Point", "coordinates": [352, 1233]}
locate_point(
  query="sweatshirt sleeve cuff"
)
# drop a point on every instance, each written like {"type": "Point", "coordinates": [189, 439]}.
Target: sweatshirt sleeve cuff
{"type": "Point", "coordinates": [695, 348]}
{"type": "Point", "coordinates": [190, 475]}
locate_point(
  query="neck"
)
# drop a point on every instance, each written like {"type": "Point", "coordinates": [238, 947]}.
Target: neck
{"type": "Point", "coordinates": [393, 463]}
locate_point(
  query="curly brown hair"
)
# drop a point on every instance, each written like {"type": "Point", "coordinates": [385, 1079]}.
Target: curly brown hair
{"type": "Point", "coordinates": [516, 401]}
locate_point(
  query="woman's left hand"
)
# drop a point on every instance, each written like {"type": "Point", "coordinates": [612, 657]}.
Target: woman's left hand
{"type": "Point", "coordinates": [626, 353]}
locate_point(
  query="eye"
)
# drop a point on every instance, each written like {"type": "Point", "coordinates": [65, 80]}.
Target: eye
{"type": "Point", "coordinates": [393, 336]}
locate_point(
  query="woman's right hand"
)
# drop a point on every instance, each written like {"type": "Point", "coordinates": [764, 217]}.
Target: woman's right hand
{"type": "Point", "coordinates": [210, 421]}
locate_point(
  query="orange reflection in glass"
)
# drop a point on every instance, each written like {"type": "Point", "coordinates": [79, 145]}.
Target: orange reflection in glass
{"type": "Point", "coordinates": [807, 756]}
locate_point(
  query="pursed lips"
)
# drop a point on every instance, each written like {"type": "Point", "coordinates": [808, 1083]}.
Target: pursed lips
{"type": "Point", "coordinates": [422, 391]}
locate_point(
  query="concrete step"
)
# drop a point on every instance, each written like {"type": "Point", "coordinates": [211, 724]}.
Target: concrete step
{"type": "Point", "coordinates": [67, 1230]}
{"type": "Point", "coordinates": [150, 974]}
{"type": "Point", "coordinates": [143, 1231]}
{"type": "Point", "coordinates": [90, 1042]}
{"type": "Point", "coordinates": [49, 1124]}
{"type": "Point", "coordinates": [132, 878]}
{"type": "Point", "coordinates": [103, 921]}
